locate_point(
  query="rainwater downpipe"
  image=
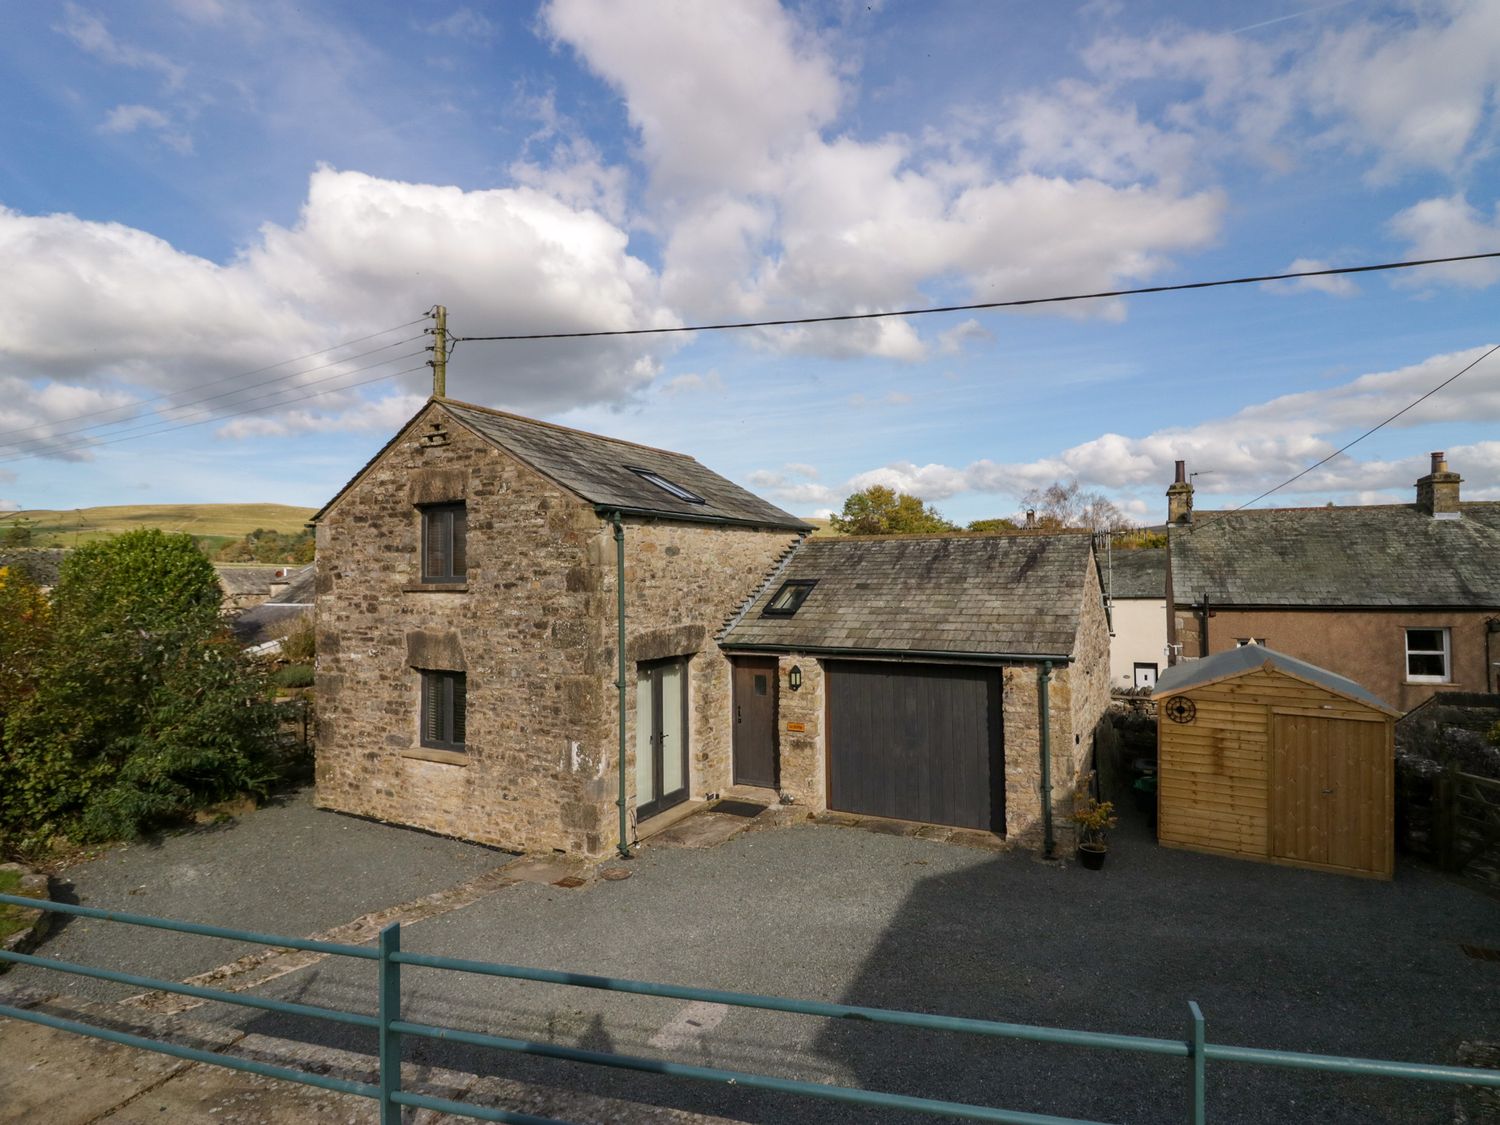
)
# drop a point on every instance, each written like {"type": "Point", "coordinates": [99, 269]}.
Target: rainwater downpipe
{"type": "Point", "coordinates": [616, 519]}
{"type": "Point", "coordinates": [1043, 679]}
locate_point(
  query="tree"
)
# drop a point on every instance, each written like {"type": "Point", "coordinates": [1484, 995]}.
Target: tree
{"type": "Point", "coordinates": [25, 623]}
{"type": "Point", "coordinates": [993, 525]}
{"type": "Point", "coordinates": [879, 510]}
{"type": "Point", "coordinates": [20, 532]}
{"type": "Point", "coordinates": [1062, 505]}
{"type": "Point", "coordinates": [142, 707]}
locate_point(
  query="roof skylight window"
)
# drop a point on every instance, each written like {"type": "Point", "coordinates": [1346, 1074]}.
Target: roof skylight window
{"type": "Point", "coordinates": [665, 485]}
{"type": "Point", "coordinates": [788, 600]}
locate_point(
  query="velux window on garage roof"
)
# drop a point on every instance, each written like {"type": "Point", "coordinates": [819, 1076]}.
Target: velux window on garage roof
{"type": "Point", "coordinates": [788, 600]}
{"type": "Point", "coordinates": [665, 485]}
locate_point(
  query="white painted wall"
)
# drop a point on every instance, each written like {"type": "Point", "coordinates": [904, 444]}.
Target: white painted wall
{"type": "Point", "coordinates": [1140, 636]}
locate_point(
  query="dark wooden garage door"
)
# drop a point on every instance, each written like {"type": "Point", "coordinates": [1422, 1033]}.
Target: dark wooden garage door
{"type": "Point", "coordinates": [916, 742]}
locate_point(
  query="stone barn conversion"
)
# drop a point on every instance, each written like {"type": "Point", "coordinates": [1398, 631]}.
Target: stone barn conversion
{"type": "Point", "coordinates": [470, 620]}
{"type": "Point", "coordinates": [1267, 757]}
{"type": "Point", "coordinates": [467, 628]}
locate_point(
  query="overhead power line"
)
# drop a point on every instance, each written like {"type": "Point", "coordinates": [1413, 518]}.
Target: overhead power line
{"type": "Point", "coordinates": [136, 404]}
{"type": "Point", "coordinates": [1012, 304]}
{"type": "Point", "coordinates": [1345, 448]}
{"type": "Point", "coordinates": [232, 391]}
{"type": "Point", "coordinates": [240, 413]}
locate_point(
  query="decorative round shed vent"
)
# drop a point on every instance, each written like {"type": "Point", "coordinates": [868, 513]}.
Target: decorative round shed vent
{"type": "Point", "coordinates": [1181, 709]}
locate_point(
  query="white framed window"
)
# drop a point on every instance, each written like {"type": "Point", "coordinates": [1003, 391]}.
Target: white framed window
{"type": "Point", "coordinates": [1427, 656]}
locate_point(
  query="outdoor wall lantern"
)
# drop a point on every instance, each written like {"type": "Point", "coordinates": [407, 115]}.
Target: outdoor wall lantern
{"type": "Point", "coordinates": [794, 677]}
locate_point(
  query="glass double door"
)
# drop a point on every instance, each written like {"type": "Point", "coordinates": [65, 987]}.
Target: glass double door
{"type": "Point", "coordinates": [661, 744]}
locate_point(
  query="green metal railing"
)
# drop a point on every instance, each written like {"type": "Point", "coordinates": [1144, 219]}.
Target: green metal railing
{"type": "Point", "coordinates": [391, 1028]}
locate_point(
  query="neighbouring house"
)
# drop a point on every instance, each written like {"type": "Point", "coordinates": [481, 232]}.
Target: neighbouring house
{"type": "Point", "coordinates": [904, 677]}
{"type": "Point", "coordinates": [40, 564]}
{"type": "Point", "coordinates": [1266, 757]}
{"type": "Point", "coordinates": [468, 624]}
{"type": "Point", "coordinates": [261, 626]}
{"type": "Point", "coordinates": [1137, 584]}
{"type": "Point", "coordinates": [246, 587]}
{"type": "Point", "coordinates": [1403, 599]}
{"type": "Point", "coordinates": [470, 666]}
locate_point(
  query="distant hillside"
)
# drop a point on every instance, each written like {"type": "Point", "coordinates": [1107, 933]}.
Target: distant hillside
{"type": "Point", "coordinates": [212, 524]}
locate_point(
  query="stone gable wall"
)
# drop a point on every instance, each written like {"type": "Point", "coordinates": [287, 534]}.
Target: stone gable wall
{"type": "Point", "coordinates": [524, 627]}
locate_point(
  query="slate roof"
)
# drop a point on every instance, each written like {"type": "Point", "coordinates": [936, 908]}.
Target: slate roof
{"type": "Point", "coordinates": [238, 581]}
{"type": "Point", "coordinates": [598, 469]}
{"type": "Point", "coordinates": [1249, 658]}
{"type": "Point", "coordinates": [260, 623]}
{"type": "Point", "coordinates": [1380, 555]}
{"type": "Point", "coordinates": [982, 595]}
{"type": "Point", "coordinates": [1137, 574]}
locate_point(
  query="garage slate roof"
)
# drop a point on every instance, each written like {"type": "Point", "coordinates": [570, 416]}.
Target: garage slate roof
{"type": "Point", "coordinates": [1019, 594]}
{"type": "Point", "coordinates": [598, 469]}
{"type": "Point", "coordinates": [1249, 658]}
{"type": "Point", "coordinates": [1140, 573]}
{"type": "Point", "coordinates": [1380, 555]}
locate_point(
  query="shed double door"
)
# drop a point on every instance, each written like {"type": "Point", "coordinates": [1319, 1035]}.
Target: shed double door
{"type": "Point", "coordinates": [1331, 801]}
{"type": "Point", "coordinates": [916, 742]}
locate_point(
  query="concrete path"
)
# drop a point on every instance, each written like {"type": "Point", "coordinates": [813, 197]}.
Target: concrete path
{"type": "Point", "coordinates": [54, 1077]}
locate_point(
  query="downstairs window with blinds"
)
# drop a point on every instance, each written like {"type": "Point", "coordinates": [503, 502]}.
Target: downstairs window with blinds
{"type": "Point", "coordinates": [443, 710]}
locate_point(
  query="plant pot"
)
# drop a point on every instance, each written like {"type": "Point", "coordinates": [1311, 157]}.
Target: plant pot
{"type": "Point", "coordinates": [1092, 855]}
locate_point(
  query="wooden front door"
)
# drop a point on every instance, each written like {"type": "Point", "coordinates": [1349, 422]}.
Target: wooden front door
{"type": "Point", "coordinates": [755, 722]}
{"type": "Point", "coordinates": [1331, 803]}
{"type": "Point", "coordinates": [661, 750]}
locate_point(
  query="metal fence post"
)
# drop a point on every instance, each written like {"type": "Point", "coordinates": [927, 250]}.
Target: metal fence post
{"type": "Point", "coordinates": [390, 1011]}
{"type": "Point", "coordinates": [1197, 1106]}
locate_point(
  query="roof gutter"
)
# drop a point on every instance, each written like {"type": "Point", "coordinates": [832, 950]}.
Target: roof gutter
{"type": "Point", "coordinates": [609, 511]}
{"type": "Point", "coordinates": [900, 654]}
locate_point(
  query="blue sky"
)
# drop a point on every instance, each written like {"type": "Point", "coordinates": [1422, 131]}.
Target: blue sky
{"type": "Point", "coordinates": [192, 191]}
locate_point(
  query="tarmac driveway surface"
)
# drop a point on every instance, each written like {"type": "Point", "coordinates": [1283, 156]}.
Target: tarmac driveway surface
{"type": "Point", "coordinates": [1277, 957]}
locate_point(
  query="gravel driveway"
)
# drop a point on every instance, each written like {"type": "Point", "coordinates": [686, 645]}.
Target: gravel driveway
{"type": "Point", "coordinates": [1277, 957]}
{"type": "Point", "coordinates": [287, 868]}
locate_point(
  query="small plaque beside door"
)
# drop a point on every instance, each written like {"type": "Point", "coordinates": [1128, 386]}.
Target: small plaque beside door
{"type": "Point", "coordinates": [796, 727]}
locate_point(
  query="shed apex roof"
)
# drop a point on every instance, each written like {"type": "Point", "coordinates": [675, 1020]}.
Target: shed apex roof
{"type": "Point", "coordinates": [1252, 658]}
{"type": "Point", "coordinates": [598, 469]}
{"type": "Point", "coordinates": [981, 595]}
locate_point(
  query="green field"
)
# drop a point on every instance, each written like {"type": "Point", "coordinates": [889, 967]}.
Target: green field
{"type": "Point", "coordinates": [215, 524]}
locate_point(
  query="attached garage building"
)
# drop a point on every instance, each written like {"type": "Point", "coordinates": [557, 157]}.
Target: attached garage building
{"type": "Point", "coordinates": [902, 677]}
{"type": "Point", "coordinates": [1267, 757]}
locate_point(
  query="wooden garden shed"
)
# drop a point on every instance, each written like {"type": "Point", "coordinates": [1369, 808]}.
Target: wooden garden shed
{"type": "Point", "coordinates": [1267, 757]}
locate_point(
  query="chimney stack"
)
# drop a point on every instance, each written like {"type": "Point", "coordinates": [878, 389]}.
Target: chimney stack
{"type": "Point", "coordinates": [1030, 519]}
{"type": "Point", "coordinates": [1180, 498]}
{"type": "Point", "coordinates": [1437, 492]}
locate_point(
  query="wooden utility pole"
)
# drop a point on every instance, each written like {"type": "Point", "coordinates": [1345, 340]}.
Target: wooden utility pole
{"type": "Point", "coordinates": [439, 360]}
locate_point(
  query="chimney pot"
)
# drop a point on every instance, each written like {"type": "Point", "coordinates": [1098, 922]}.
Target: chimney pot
{"type": "Point", "coordinates": [1181, 473]}
{"type": "Point", "coordinates": [1438, 491]}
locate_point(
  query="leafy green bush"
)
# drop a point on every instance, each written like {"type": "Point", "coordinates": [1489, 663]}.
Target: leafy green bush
{"type": "Point", "coordinates": [143, 708]}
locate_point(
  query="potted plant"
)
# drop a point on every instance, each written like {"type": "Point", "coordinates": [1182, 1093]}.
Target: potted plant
{"type": "Point", "coordinates": [1094, 818]}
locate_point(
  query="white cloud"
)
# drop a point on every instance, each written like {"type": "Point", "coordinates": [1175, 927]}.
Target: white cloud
{"type": "Point", "coordinates": [1250, 450]}
{"type": "Point", "coordinates": [766, 210]}
{"type": "Point", "coordinates": [691, 382]}
{"type": "Point", "coordinates": [362, 256]}
{"type": "Point", "coordinates": [1448, 227]}
{"type": "Point", "coordinates": [463, 23]}
{"type": "Point", "coordinates": [951, 341]}
{"type": "Point", "coordinates": [90, 34]}
{"type": "Point", "coordinates": [1335, 285]}
{"type": "Point", "coordinates": [384, 415]}
{"type": "Point", "coordinates": [132, 118]}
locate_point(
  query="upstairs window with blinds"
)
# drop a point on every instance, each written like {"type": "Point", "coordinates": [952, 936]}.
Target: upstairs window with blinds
{"type": "Point", "coordinates": [445, 532]}
{"type": "Point", "coordinates": [443, 704]}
